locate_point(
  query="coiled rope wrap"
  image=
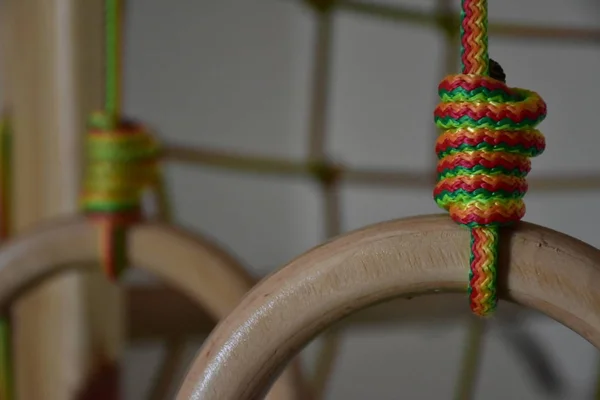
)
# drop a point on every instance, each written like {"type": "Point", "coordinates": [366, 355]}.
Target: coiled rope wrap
{"type": "Point", "coordinates": [121, 165]}
{"type": "Point", "coordinates": [489, 135]}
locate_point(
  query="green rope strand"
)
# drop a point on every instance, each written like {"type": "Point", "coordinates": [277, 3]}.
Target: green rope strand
{"type": "Point", "coordinates": [471, 359]}
{"type": "Point", "coordinates": [113, 55]}
{"type": "Point", "coordinates": [6, 373]}
{"type": "Point", "coordinates": [597, 388]}
{"type": "Point", "coordinates": [5, 176]}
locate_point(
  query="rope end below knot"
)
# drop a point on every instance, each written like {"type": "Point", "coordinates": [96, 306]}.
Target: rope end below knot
{"type": "Point", "coordinates": [483, 272]}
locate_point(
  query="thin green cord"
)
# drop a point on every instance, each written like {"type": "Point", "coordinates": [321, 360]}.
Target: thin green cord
{"type": "Point", "coordinates": [6, 176]}
{"type": "Point", "coordinates": [6, 375]}
{"type": "Point", "coordinates": [112, 89]}
{"type": "Point", "coordinates": [597, 388]}
{"type": "Point", "coordinates": [471, 359]}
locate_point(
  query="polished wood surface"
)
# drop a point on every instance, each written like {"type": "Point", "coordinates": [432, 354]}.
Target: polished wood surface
{"type": "Point", "coordinates": [539, 268]}
{"type": "Point", "coordinates": [196, 267]}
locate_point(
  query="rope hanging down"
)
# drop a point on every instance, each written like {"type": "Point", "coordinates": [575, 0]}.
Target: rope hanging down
{"type": "Point", "coordinates": [489, 135]}
{"type": "Point", "coordinates": [5, 176]}
{"type": "Point", "coordinates": [121, 158]}
{"type": "Point", "coordinates": [6, 375]}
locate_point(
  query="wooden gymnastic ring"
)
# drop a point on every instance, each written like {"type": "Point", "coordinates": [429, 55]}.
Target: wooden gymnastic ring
{"type": "Point", "coordinates": [539, 268]}
{"type": "Point", "coordinates": [193, 265]}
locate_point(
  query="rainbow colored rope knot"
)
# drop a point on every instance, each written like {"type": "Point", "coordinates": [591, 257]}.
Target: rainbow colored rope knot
{"type": "Point", "coordinates": [489, 135]}
{"type": "Point", "coordinates": [122, 163]}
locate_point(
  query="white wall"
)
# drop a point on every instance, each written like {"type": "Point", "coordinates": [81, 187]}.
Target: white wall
{"type": "Point", "coordinates": [236, 75]}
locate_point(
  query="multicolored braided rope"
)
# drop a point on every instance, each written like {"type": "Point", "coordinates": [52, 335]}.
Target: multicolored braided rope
{"type": "Point", "coordinates": [121, 165]}
{"type": "Point", "coordinates": [121, 158]}
{"type": "Point", "coordinates": [488, 137]}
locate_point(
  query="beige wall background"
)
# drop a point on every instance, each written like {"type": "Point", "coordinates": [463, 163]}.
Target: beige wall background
{"type": "Point", "coordinates": [235, 75]}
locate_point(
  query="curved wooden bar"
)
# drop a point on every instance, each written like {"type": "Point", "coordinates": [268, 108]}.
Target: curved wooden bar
{"type": "Point", "coordinates": [540, 269]}
{"type": "Point", "coordinates": [198, 268]}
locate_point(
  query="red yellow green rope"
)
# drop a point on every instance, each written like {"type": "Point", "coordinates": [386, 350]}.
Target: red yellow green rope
{"type": "Point", "coordinates": [488, 136]}
{"type": "Point", "coordinates": [121, 165]}
{"type": "Point", "coordinates": [121, 157]}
